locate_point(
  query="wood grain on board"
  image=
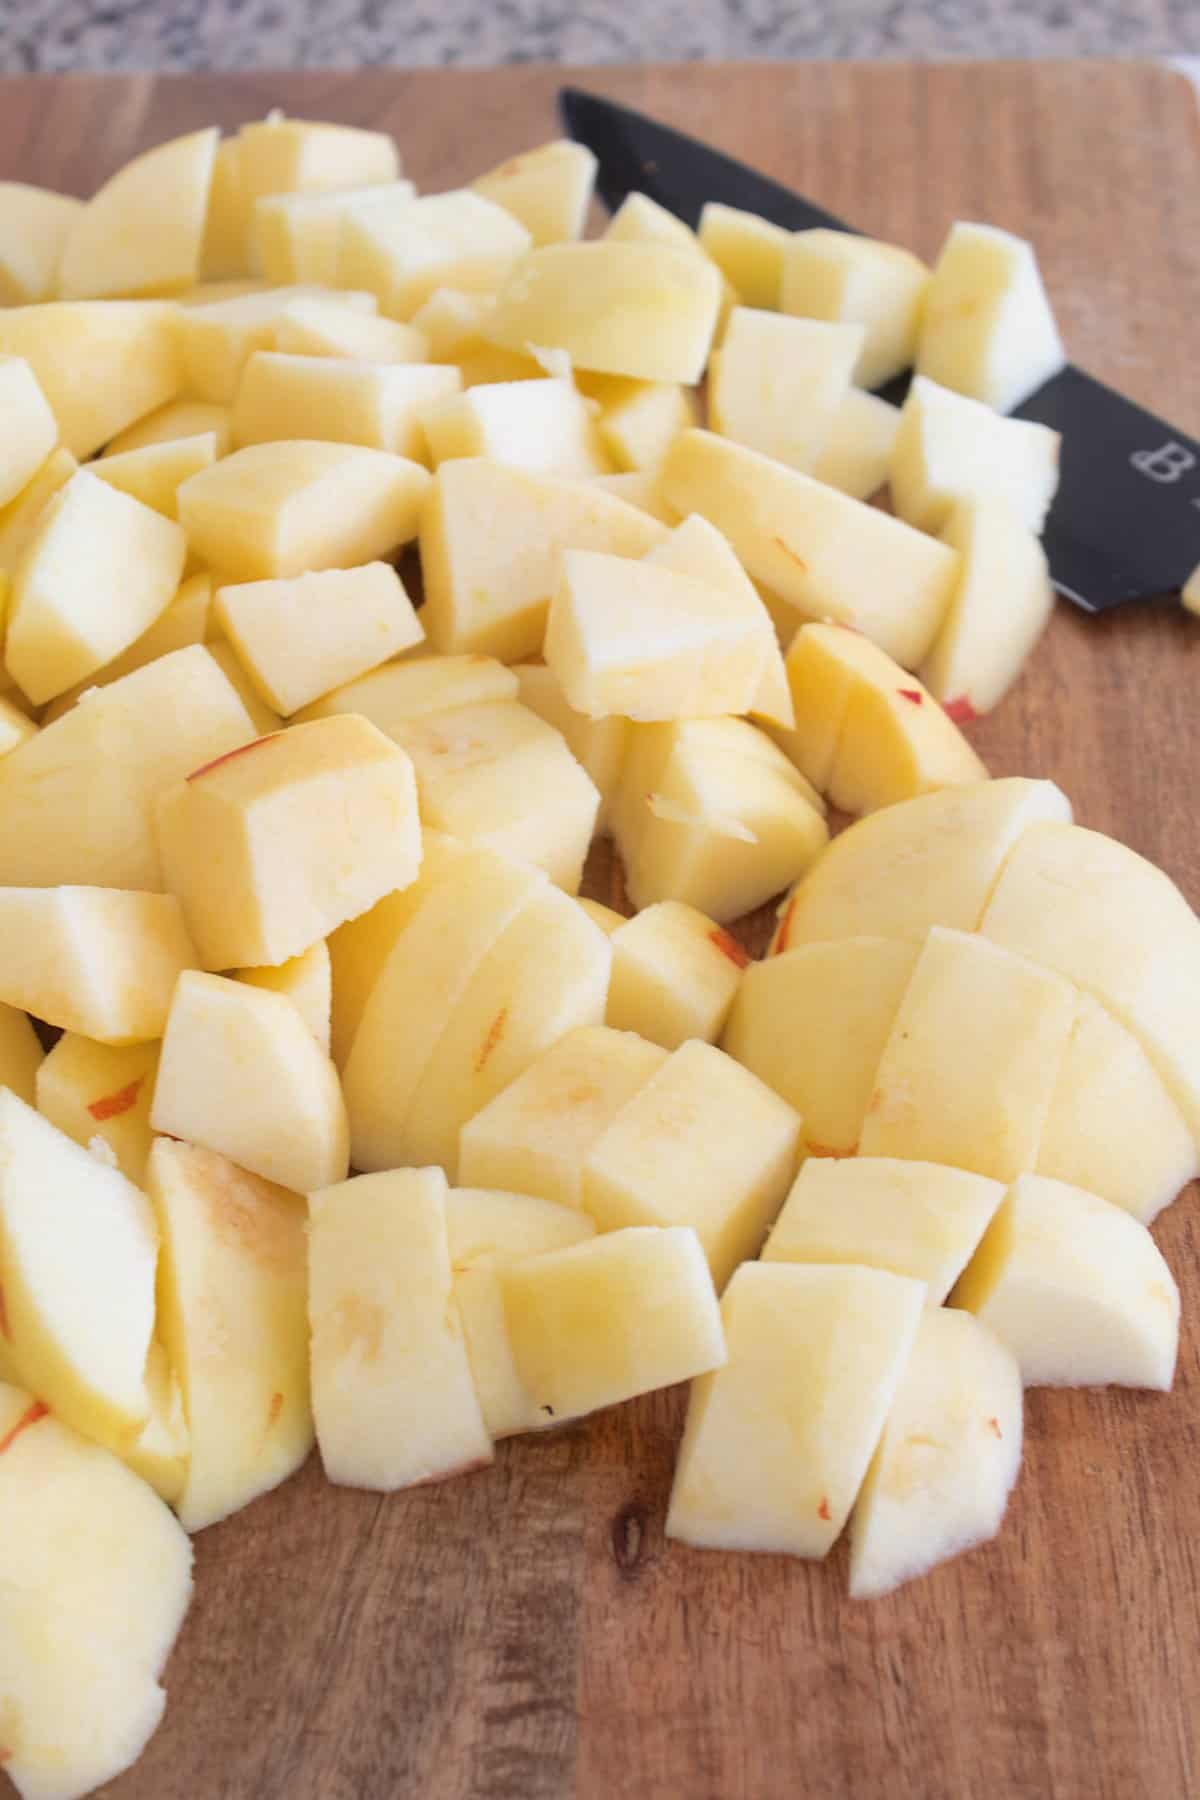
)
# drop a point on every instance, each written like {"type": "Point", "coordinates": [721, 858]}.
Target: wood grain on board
{"type": "Point", "coordinates": [528, 1633]}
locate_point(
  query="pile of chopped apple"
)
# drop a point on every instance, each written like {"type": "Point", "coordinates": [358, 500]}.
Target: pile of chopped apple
{"type": "Point", "coordinates": [361, 1127]}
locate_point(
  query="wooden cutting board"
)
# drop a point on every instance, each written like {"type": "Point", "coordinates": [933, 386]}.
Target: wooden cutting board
{"type": "Point", "coordinates": [528, 1633]}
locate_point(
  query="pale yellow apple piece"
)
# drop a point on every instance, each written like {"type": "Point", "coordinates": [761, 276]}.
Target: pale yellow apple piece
{"type": "Point", "coordinates": [97, 1576]}
{"type": "Point", "coordinates": [604, 916]}
{"type": "Point", "coordinates": [307, 981]}
{"type": "Point", "coordinates": [1076, 1288]}
{"type": "Point", "coordinates": [857, 452]}
{"type": "Point", "coordinates": [777, 383]}
{"type": "Point", "coordinates": [160, 1452]}
{"type": "Point", "coordinates": [824, 664]}
{"type": "Point", "coordinates": [703, 1143]}
{"type": "Point", "coordinates": [451, 322]}
{"type": "Point", "coordinates": [278, 155]}
{"type": "Point", "coordinates": [339, 400]}
{"type": "Point", "coordinates": [812, 1023]}
{"type": "Point", "coordinates": [153, 474]}
{"type": "Point", "coordinates": [828, 555]}
{"type": "Point", "coordinates": [317, 326]}
{"type": "Point", "coordinates": [300, 637]}
{"type": "Point", "coordinates": [225, 252]}
{"type": "Point", "coordinates": [929, 861]}
{"type": "Point", "coordinates": [19, 520]}
{"type": "Point", "coordinates": [987, 329]}
{"type": "Point", "coordinates": [546, 189]}
{"type": "Point", "coordinates": [177, 419]}
{"type": "Point", "coordinates": [263, 719]}
{"type": "Point", "coordinates": [240, 1073]}
{"type": "Point", "coordinates": [100, 363]}
{"type": "Point", "coordinates": [143, 231]}
{"type": "Point", "coordinates": [778, 1441]}
{"type": "Point", "coordinates": [393, 1396]}
{"type": "Point", "coordinates": [534, 1136]}
{"type": "Point", "coordinates": [486, 1232]}
{"type": "Point", "coordinates": [78, 1248]}
{"type": "Point", "coordinates": [950, 449]}
{"type": "Point", "coordinates": [99, 961]}
{"type": "Point", "coordinates": [674, 976]}
{"type": "Point", "coordinates": [30, 428]}
{"type": "Point", "coordinates": [359, 948]}
{"type": "Point", "coordinates": [748, 250]}
{"type": "Point", "coordinates": [184, 622]}
{"type": "Point", "coordinates": [544, 426]}
{"type": "Point", "coordinates": [393, 696]}
{"type": "Point", "coordinates": [98, 570]}
{"type": "Point", "coordinates": [948, 1459]}
{"type": "Point", "coordinates": [34, 223]}
{"type": "Point", "coordinates": [836, 275]}
{"type": "Point", "coordinates": [271, 847]}
{"type": "Point", "coordinates": [641, 220]}
{"type": "Point", "coordinates": [974, 1054]}
{"type": "Point", "coordinates": [455, 239]}
{"type": "Point", "coordinates": [638, 487]}
{"type": "Point", "coordinates": [491, 543]}
{"type": "Point", "coordinates": [919, 1219]}
{"type": "Point", "coordinates": [597, 744]}
{"type": "Point", "coordinates": [618, 308]}
{"type": "Point", "coordinates": [603, 1321]}
{"type": "Point", "coordinates": [1110, 921]}
{"type": "Point", "coordinates": [637, 420]}
{"type": "Point", "coordinates": [298, 235]}
{"type": "Point", "coordinates": [91, 1090]}
{"type": "Point", "coordinates": [218, 338]}
{"type": "Point", "coordinates": [1112, 1127]}
{"type": "Point", "coordinates": [233, 1321]}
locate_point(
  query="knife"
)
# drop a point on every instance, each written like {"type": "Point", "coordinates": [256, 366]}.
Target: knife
{"type": "Point", "coordinates": [1125, 524]}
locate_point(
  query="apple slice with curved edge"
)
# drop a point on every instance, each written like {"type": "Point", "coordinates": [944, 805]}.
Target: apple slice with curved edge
{"type": "Point", "coordinates": [143, 231]}
{"type": "Point", "coordinates": [181, 624]}
{"type": "Point", "coordinates": [339, 399]}
{"type": "Point", "coordinates": [92, 1090]}
{"type": "Point", "coordinates": [19, 519]}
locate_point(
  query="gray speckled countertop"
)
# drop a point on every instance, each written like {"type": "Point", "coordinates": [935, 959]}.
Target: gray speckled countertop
{"type": "Point", "coordinates": [51, 35]}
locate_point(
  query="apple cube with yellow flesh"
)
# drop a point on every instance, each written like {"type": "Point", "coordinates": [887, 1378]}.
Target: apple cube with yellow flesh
{"type": "Point", "coordinates": [91, 1090]}
{"type": "Point", "coordinates": [826, 554]}
{"type": "Point", "coordinates": [547, 189]}
{"type": "Point", "coordinates": [641, 220]}
{"type": "Point", "coordinates": [233, 1320]}
{"type": "Point", "coordinates": [967, 1074]}
{"type": "Point", "coordinates": [987, 329]}
{"type": "Point", "coordinates": [302, 636]}
{"type": "Point", "coordinates": [298, 235]}
{"type": "Point", "coordinates": [638, 487]}
{"type": "Point", "coordinates": [641, 309]}
{"type": "Point", "coordinates": [184, 622]}
{"type": "Point", "coordinates": [278, 155]}
{"type": "Point", "coordinates": [78, 1248]}
{"type": "Point", "coordinates": [97, 1576]}
{"type": "Point", "coordinates": [948, 1459]}
{"type": "Point", "coordinates": [638, 419]}
{"type": "Point", "coordinates": [1107, 919]}
{"type": "Point", "coordinates": [491, 543]}
{"type": "Point", "coordinates": [153, 474]}
{"type": "Point", "coordinates": [98, 570]}
{"type": "Point", "coordinates": [1076, 1288]}
{"type": "Point", "coordinates": [99, 961]}
{"type": "Point", "coordinates": [597, 744]}
{"type": "Point", "coordinates": [918, 1219]}
{"type": "Point", "coordinates": [161, 1450]}
{"type": "Point", "coordinates": [486, 1232]}
{"type": "Point", "coordinates": [748, 250]}
{"type": "Point", "coordinates": [34, 225]}
{"type": "Point", "coordinates": [177, 419]}
{"type": "Point", "coordinates": [777, 382]}
{"type": "Point", "coordinates": [778, 1441]}
{"type": "Point", "coordinates": [452, 323]}
{"type": "Point", "coordinates": [839, 276]}
{"type": "Point", "coordinates": [338, 400]}
{"type": "Point", "coordinates": [403, 255]}
{"type": "Point", "coordinates": [674, 976]}
{"type": "Point", "coordinates": [1112, 1127]}
{"type": "Point", "coordinates": [270, 847]}
{"type": "Point", "coordinates": [307, 981]}
{"type": "Point", "coordinates": [703, 1143]}
{"type": "Point", "coordinates": [324, 326]}
{"type": "Point", "coordinates": [535, 1135]}
{"type": "Point", "coordinates": [143, 231]}
{"type": "Point", "coordinates": [217, 337]}
{"type": "Point", "coordinates": [857, 451]}
{"type": "Point", "coordinates": [545, 426]}
{"type": "Point", "coordinates": [101, 364]}
{"type": "Point", "coordinates": [393, 1395]}
{"type": "Point", "coordinates": [950, 448]}
{"type": "Point", "coordinates": [19, 520]}
{"type": "Point", "coordinates": [812, 1023]}
{"type": "Point", "coordinates": [616, 1316]}
{"type": "Point", "coordinates": [30, 428]}
{"type": "Point", "coordinates": [929, 861]}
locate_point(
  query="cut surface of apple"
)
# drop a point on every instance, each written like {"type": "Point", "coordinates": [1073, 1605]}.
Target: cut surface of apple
{"type": "Point", "coordinates": [167, 424]}
{"type": "Point", "coordinates": [298, 235]}
{"type": "Point", "coordinates": [272, 846]}
{"type": "Point", "coordinates": [949, 449]}
{"type": "Point", "coordinates": [948, 1459]}
{"type": "Point", "coordinates": [918, 1219]}
{"type": "Point", "coordinates": [598, 745]}
{"type": "Point", "coordinates": [392, 697]}
{"type": "Point", "coordinates": [19, 519]}
{"type": "Point", "coordinates": [34, 224]}
{"type": "Point", "coordinates": [1076, 1288]}
{"type": "Point", "coordinates": [675, 975]}
{"type": "Point", "coordinates": [987, 329]}
{"type": "Point", "coordinates": [339, 400]}
{"type": "Point", "coordinates": [142, 232]}
{"type": "Point", "coordinates": [837, 275]}
{"type": "Point", "coordinates": [749, 251]}
{"type": "Point", "coordinates": [545, 426]}
{"type": "Point", "coordinates": [971, 1063]}
{"type": "Point", "coordinates": [546, 189]}
{"type": "Point", "coordinates": [776, 383]}
{"type": "Point", "coordinates": [30, 428]}
{"type": "Point", "coordinates": [616, 1316]}
{"type": "Point", "coordinates": [638, 419]}
{"type": "Point", "coordinates": [857, 451]}
{"type": "Point", "coordinates": [278, 155]}
{"type": "Point", "coordinates": [102, 364]}
{"type": "Point", "coordinates": [307, 981]}
{"type": "Point", "coordinates": [241, 1073]}
{"type": "Point", "coordinates": [90, 1090]}
{"type": "Point", "coordinates": [393, 1395]}
{"type": "Point", "coordinates": [314, 325]}
{"type": "Point", "coordinates": [218, 337]}
{"type": "Point", "coordinates": [777, 1442]}
{"type": "Point", "coordinates": [233, 1320]}
{"type": "Point", "coordinates": [154, 473]}
{"type": "Point", "coordinates": [457, 239]}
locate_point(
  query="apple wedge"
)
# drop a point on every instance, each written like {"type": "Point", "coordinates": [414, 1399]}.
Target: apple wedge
{"type": "Point", "coordinates": [405, 690]}
{"type": "Point", "coordinates": [857, 452]}
{"type": "Point", "coordinates": [638, 419]}
{"type": "Point", "coordinates": [546, 189]}
{"type": "Point", "coordinates": [841, 277]}
{"type": "Point", "coordinates": [776, 383]}
{"type": "Point", "coordinates": [950, 449]}
{"type": "Point", "coordinates": [543, 426]}
{"type": "Point", "coordinates": [339, 400]}
{"type": "Point", "coordinates": [598, 745]}
{"type": "Point", "coordinates": [675, 975]}
{"type": "Point", "coordinates": [307, 981]}
{"type": "Point", "coordinates": [316, 325]}
{"type": "Point", "coordinates": [987, 330]}
{"type": "Point", "coordinates": [298, 235]}
{"type": "Point", "coordinates": [219, 334]}
{"type": "Point", "coordinates": [155, 473]}
{"type": "Point", "coordinates": [143, 231]}
{"type": "Point", "coordinates": [21, 517]}
{"type": "Point", "coordinates": [749, 251]}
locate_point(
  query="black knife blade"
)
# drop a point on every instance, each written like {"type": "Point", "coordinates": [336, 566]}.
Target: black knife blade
{"type": "Point", "coordinates": [1125, 524]}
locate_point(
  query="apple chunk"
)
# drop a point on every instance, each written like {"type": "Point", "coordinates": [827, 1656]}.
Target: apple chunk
{"type": "Point", "coordinates": [675, 975]}
{"type": "Point", "coordinates": [91, 1090]}
{"type": "Point", "coordinates": [307, 981]}
{"type": "Point", "coordinates": [777, 1442]}
{"type": "Point", "coordinates": [748, 250]}
{"type": "Point", "coordinates": [101, 364]}
{"type": "Point", "coordinates": [34, 223]}
{"type": "Point", "coordinates": [403, 254]}
{"type": "Point", "coordinates": [340, 400]}
{"type": "Point", "coordinates": [949, 449]}
{"type": "Point", "coordinates": [30, 429]}
{"type": "Point", "coordinates": [988, 330]}
{"type": "Point", "coordinates": [839, 276]}
{"type": "Point", "coordinates": [776, 383]}
{"type": "Point", "coordinates": [142, 232]}
{"type": "Point", "coordinates": [544, 426]}
{"type": "Point", "coordinates": [547, 189]}
{"type": "Point", "coordinates": [598, 745]}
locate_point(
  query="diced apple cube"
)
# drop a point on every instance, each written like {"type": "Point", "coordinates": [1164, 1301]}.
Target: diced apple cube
{"type": "Point", "coordinates": [597, 744]}
{"type": "Point", "coordinates": [778, 1441]}
{"type": "Point", "coordinates": [748, 250]}
{"type": "Point", "coordinates": [177, 419]}
{"type": "Point", "coordinates": [34, 223]}
{"type": "Point", "coordinates": [777, 383]}
{"type": "Point", "coordinates": [675, 974]}
{"type": "Point", "coordinates": [153, 474]}
{"type": "Point", "coordinates": [547, 189]}
{"type": "Point", "coordinates": [315, 326]}
{"type": "Point", "coordinates": [611, 1318]}
{"type": "Point", "coordinates": [837, 275]}
{"type": "Point", "coordinates": [20, 518]}
{"type": "Point", "coordinates": [100, 363]}
{"type": "Point", "coordinates": [456, 239]}
{"type": "Point", "coordinates": [638, 419]}
{"type": "Point", "coordinates": [339, 401]}
{"type": "Point", "coordinates": [307, 981]}
{"type": "Point", "coordinates": [142, 232]}
{"type": "Point", "coordinates": [184, 622]}
{"type": "Point", "coordinates": [218, 338]}
{"type": "Point", "coordinates": [1076, 1288]}
{"type": "Point", "coordinates": [988, 330]}
{"type": "Point", "coordinates": [30, 428]}
{"type": "Point", "coordinates": [284, 156]}
{"type": "Point", "coordinates": [857, 452]}
{"type": "Point", "coordinates": [544, 426]}
{"type": "Point", "coordinates": [298, 235]}
{"type": "Point", "coordinates": [950, 448]}
{"type": "Point", "coordinates": [91, 1090]}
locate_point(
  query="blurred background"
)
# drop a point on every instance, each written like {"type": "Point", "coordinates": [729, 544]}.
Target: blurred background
{"type": "Point", "coordinates": [49, 35]}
